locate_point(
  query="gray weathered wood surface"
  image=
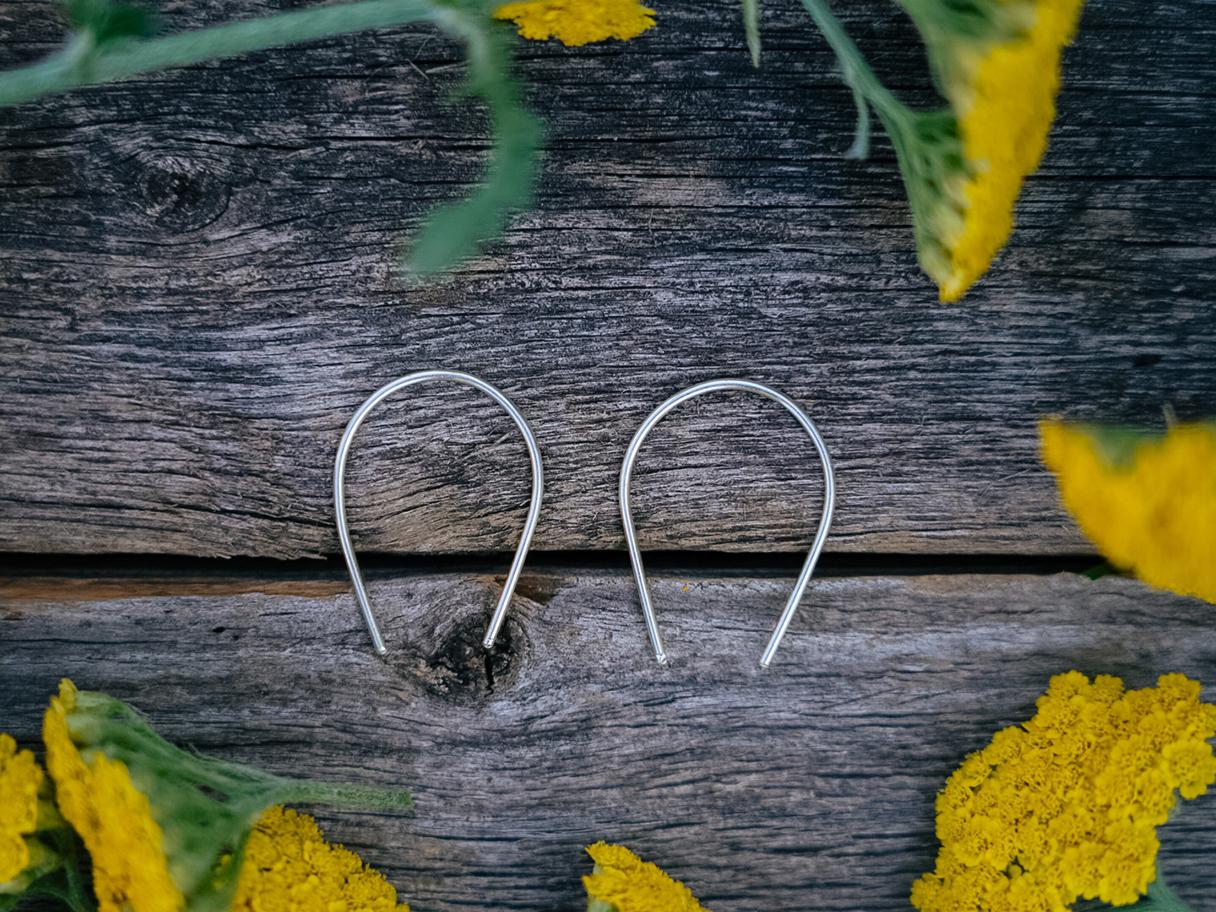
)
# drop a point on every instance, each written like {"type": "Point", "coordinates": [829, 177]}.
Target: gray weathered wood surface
{"type": "Point", "coordinates": [195, 292]}
{"type": "Point", "coordinates": [809, 786]}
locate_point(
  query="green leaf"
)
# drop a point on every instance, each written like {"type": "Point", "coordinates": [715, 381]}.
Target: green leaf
{"type": "Point", "coordinates": [205, 807]}
{"type": "Point", "coordinates": [64, 887]}
{"type": "Point", "coordinates": [108, 21]}
{"type": "Point", "coordinates": [1097, 571]}
{"type": "Point", "coordinates": [751, 26]}
{"type": "Point", "coordinates": [861, 132]}
{"type": "Point", "coordinates": [1118, 445]}
{"type": "Point", "coordinates": [455, 232]}
{"type": "Point", "coordinates": [1160, 898]}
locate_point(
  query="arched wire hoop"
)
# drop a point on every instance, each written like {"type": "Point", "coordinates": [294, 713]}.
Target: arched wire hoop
{"type": "Point", "coordinates": [631, 538]}
{"type": "Point", "coordinates": [521, 552]}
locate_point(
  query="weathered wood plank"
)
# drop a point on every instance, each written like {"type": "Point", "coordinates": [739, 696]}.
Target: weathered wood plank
{"type": "Point", "coordinates": [806, 786]}
{"type": "Point", "coordinates": [195, 292]}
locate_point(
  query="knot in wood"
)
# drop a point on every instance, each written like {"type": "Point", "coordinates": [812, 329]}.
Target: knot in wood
{"type": "Point", "coordinates": [180, 194]}
{"type": "Point", "coordinates": [462, 669]}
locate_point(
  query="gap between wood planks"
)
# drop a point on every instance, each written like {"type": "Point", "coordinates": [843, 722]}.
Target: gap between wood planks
{"type": "Point", "coordinates": [84, 578]}
{"type": "Point", "coordinates": [90, 578]}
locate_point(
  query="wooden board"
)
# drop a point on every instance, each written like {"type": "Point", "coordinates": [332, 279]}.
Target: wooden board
{"type": "Point", "coordinates": [196, 291]}
{"type": "Point", "coordinates": [806, 786]}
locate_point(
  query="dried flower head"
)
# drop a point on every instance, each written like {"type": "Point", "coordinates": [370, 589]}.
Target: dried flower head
{"type": "Point", "coordinates": [578, 22]}
{"type": "Point", "coordinates": [1065, 806]}
{"type": "Point", "coordinates": [622, 882]}
{"type": "Point", "coordinates": [1148, 501]}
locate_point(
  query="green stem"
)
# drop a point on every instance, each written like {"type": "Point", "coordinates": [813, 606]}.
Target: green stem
{"type": "Point", "coordinates": [1160, 898]}
{"type": "Point", "coordinates": [355, 797]}
{"type": "Point", "coordinates": [455, 232]}
{"type": "Point", "coordinates": [66, 883]}
{"type": "Point", "coordinates": [751, 28]}
{"type": "Point", "coordinates": [855, 69]}
{"type": "Point", "coordinates": [83, 63]}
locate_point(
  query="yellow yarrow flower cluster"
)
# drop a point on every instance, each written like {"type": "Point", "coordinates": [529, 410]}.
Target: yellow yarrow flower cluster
{"type": "Point", "coordinates": [20, 781]}
{"type": "Point", "coordinates": [1065, 807]}
{"type": "Point", "coordinates": [998, 64]}
{"type": "Point", "coordinates": [1147, 501]}
{"type": "Point", "coordinates": [622, 882]}
{"type": "Point", "coordinates": [578, 22]}
{"type": "Point", "coordinates": [165, 829]}
{"type": "Point", "coordinates": [112, 817]}
{"type": "Point", "coordinates": [289, 867]}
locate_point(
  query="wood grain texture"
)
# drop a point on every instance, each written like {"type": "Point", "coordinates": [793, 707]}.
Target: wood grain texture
{"type": "Point", "coordinates": [808, 786]}
{"type": "Point", "coordinates": [196, 291]}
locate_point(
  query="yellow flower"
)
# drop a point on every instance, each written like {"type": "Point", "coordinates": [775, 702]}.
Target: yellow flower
{"type": "Point", "coordinates": [20, 780]}
{"type": "Point", "coordinates": [1148, 502]}
{"type": "Point", "coordinates": [289, 867]}
{"type": "Point", "coordinates": [1065, 807]}
{"type": "Point", "coordinates": [165, 828]}
{"type": "Point", "coordinates": [622, 882]}
{"type": "Point", "coordinates": [113, 818]}
{"type": "Point", "coordinates": [35, 850]}
{"type": "Point", "coordinates": [578, 22]}
{"type": "Point", "coordinates": [999, 67]}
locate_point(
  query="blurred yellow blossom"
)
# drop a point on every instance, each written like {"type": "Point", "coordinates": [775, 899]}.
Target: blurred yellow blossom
{"type": "Point", "coordinates": [622, 882]}
{"type": "Point", "coordinates": [1147, 501]}
{"type": "Point", "coordinates": [1065, 806]}
{"type": "Point", "coordinates": [95, 794]}
{"type": "Point", "coordinates": [998, 64]}
{"type": "Point", "coordinates": [578, 22]}
{"type": "Point", "coordinates": [20, 780]}
{"type": "Point", "coordinates": [289, 867]}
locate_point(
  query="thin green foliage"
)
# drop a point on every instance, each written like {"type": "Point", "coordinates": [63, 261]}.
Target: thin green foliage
{"type": "Point", "coordinates": [751, 28]}
{"type": "Point", "coordinates": [1160, 898]}
{"type": "Point", "coordinates": [868, 90]}
{"type": "Point", "coordinates": [1097, 571]}
{"type": "Point", "coordinates": [452, 233]}
{"type": "Point", "coordinates": [109, 21]}
{"type": "Point", "coordinates": [112, 41]}
{"type": "Point", "coordinates": [103, 49]}
{"type": "Point", "coordinates": [861, 131]}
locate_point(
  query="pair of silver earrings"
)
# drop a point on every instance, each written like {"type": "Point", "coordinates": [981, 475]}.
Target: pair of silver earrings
{"type": "Point", "coordinates": [635, 555]}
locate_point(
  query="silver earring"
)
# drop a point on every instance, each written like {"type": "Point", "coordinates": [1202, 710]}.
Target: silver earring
{"type": "Point", "coordinates": [825, 522]}
{"type": "Point", "coordinates": [344, 445]}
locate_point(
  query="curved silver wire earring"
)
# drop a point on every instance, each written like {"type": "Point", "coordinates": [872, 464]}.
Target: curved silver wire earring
{"type": "Point", "coordinates": [521, 552]}
{"type": "Point", "coordinates": [631, 538]}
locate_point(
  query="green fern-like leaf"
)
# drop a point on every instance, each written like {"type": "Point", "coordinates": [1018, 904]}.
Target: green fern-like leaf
{"type": "Point", "coordinates": [455, 232]}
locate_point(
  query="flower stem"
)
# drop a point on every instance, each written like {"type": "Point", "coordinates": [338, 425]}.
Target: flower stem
{"type": "Point", "coordinates": [854, 67]}
{"type": "Point", "coordinates": [751, 28]}
{"type": "Point", "coordinates": [82, 62]}
{"type": "Point", "coordinates": [355, 797]}
{"type": "Point", "coordinates": [1160, 898]}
